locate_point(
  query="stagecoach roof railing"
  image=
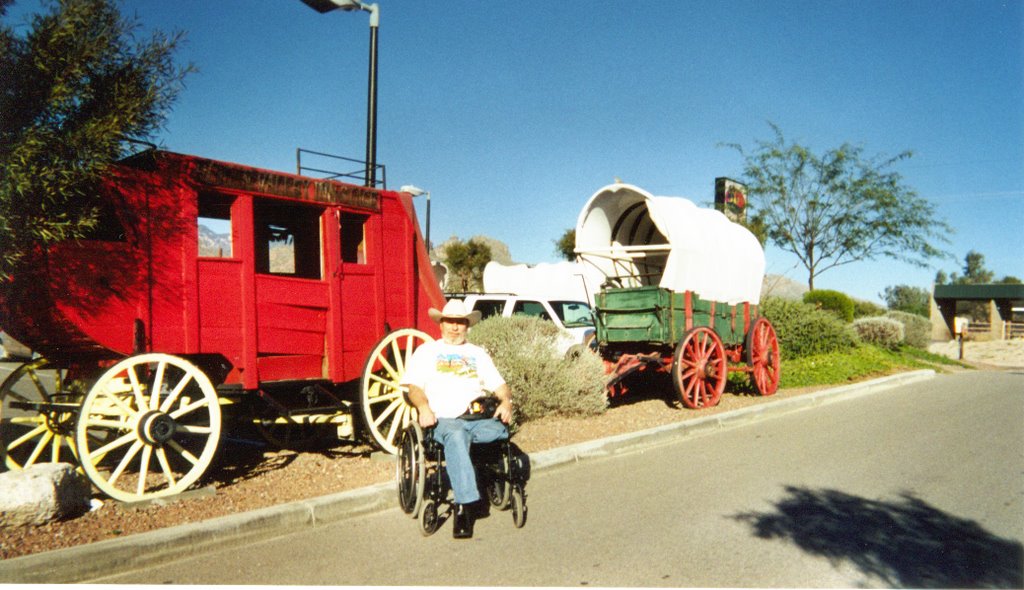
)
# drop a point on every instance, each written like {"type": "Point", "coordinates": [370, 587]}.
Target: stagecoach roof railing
{"type": "Point", "coordinates": [359, 174]}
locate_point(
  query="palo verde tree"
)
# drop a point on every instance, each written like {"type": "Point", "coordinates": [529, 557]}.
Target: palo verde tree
{"type": "Point", "coordinates": [566, 245]}
{"type": "Point", "coordinates": [466, 262]}
{"type": "Point", "coordinates": [838, 207]}
{"type": "Point", "coordinates": [75, 83]}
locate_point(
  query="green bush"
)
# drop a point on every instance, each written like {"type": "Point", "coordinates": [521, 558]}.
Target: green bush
{"type": "Point", "coordinates": [917, 330]}
{"type": "Point", "coordinates": [884, 332]}
{"type": "Point", "coordinates": [543, 382]}
{"type": "Point", "coordinates": [804, 330]}
{"type": "Point", "coordinates": [866, 309]}
{"type": "Point", "coordinates": [834, 301]}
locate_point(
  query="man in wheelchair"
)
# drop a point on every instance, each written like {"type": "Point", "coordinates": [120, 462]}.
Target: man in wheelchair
{"type": "Point", "coordinates": [444, 377]}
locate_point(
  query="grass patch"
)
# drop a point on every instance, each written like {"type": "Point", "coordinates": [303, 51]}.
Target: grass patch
{"type": "Point", "coordinates": [854, 365]}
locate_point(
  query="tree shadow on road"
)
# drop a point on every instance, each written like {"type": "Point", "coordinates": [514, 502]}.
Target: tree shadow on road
{"type": "Point", "coordinates": [904, 543]}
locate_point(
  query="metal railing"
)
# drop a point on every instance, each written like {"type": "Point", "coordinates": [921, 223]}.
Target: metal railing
{"type": "Point", "coordinates": [358, 174]}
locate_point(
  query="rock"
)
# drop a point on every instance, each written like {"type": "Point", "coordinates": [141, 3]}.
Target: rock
{"type": "Point", "coordinates": [41, 493]}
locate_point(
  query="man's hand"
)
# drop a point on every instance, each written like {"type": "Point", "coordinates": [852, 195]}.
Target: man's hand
{"type": "Point", "coordinates": [418, 399]}
{"type": "Point", "coordinates": [426, 416]}
{"type": "Point", "coordinates": [504, 411]}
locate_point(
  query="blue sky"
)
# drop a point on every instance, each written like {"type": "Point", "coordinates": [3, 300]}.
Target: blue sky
{"type": "Point", "coordinates": [513, 114]}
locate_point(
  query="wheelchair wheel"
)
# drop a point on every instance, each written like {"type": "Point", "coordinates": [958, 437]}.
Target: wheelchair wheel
{"type": "Point", "coordinates": [498, 483]}
{"type": "Point", "coordinates": [411, 470]}
{"type": "Point", "coordinates": [429, 520]}
{"type": "Point", "coordinates": [518, 506]}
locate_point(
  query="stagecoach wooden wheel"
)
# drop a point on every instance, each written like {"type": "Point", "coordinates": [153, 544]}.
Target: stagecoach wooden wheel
{"type": "Point", "coordinates": [763, 357]}
{"type": "Point", "coordinates": [149, 427]}
{"type": "Point", "coordinates": [37, 416]}
{"type": "Point", "coordinates": [699, 368]}
{"type": "Point", "coordinates": [384, 408]}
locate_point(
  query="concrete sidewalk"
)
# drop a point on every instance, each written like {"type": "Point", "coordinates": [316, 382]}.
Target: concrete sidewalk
{"type": "Point", "coordinates": [88, 562]}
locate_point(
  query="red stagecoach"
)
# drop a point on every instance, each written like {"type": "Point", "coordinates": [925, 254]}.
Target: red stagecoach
{"type": "Point", "coordinates": [305, 316]}
{"type": "Point", "coordinates": [679, 294]}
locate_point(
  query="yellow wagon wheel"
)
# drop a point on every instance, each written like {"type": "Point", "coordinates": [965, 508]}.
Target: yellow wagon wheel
{"type": "Point", "coordinates": [382, 400]}
{"type": "Point", "coordinates": [159, 421]}
{"type": "Point", "coordinates": [37, 416]}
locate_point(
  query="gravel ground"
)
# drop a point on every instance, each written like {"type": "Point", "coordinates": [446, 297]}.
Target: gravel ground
{"type": "Point", "coordinates": [248, 476]}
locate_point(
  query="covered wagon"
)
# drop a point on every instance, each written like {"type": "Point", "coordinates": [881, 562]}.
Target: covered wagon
{"type": "Point", "coordinates": [680, 293]}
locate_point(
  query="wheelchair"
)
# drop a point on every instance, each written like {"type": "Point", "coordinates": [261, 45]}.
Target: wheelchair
{"type": "Point", "coordinates": [423, 487]}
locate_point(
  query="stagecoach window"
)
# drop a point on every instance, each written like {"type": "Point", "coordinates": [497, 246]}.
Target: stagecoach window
{"type": "Point", "coordinates": [353, 237]}
{"type": "Point", "coordinates": [287, 239]}
{"type": "Point", "coordinates": [215, 225]}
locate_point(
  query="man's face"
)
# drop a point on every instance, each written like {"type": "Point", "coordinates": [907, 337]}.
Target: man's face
{"type": "Point", "coordinates": [454, 331]}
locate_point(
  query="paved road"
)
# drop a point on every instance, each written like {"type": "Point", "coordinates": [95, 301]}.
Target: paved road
{"type": "Point", "coordinates": [920, 486]}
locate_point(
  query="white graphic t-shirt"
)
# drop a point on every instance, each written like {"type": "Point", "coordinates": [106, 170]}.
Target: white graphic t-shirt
{"type": "Point", "coordinates": [451, 375]}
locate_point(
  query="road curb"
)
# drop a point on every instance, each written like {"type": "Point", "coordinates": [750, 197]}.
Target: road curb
{"type": "Point", "coordinates": [92, 561]}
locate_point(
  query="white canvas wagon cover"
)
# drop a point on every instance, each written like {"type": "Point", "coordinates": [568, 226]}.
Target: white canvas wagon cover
{"type": "Point", "coordinates": [638, 239]}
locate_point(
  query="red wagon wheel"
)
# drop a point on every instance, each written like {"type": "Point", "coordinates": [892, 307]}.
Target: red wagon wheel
{"type": "Point", "coordinates": [699, 368]}
{"type": "Point", "coordinates": [382, 399]}
{"type": "Point", "coordinates": [763, 357]}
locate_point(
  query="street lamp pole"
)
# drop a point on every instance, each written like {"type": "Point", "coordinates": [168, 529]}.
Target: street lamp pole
{"type": "Point", "coordinates": [371, 101]}
{"type": "Point", "coordinates": [323, 6]}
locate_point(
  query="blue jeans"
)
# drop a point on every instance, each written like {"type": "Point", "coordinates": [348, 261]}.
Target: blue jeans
{"type": "Point", "coordinates": [456, 434]}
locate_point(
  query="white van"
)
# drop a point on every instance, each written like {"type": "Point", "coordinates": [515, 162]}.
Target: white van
{"type": "Point", "coordinates": [574, 318]}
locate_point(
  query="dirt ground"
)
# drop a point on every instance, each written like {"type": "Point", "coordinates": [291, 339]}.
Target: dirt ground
{"type": "Point", "coordinates": [248, 475]}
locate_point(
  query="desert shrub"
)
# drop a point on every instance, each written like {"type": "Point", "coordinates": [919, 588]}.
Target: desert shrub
{"type": "Point", "coordinates": [838, 303]}
{"type": "Point", "coordinates": [543, 382]}
{"type": "Point", "coordinates": [803, 330]}
{"type": "Point", "coordinates": [866, 309]}
{"type": "Point", "coordinates": [917, 330]}
{"type": "Point", "coordinates": [884, 332]}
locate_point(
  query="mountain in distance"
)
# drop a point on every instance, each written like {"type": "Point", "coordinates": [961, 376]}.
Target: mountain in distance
{"type": "Point", "coordinates": [214, 244]}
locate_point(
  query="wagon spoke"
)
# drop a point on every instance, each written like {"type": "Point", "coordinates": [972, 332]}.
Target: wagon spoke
{"type": "Point", "coordinates": [40, 446]}
{"type": "Point", "coordinates": [133, 379]}
{"type": "Point", "coordinates": [105, 424]}
{"type": "Point", "coordinates": [128, 410]}
{"type": "Point", "coordinates": [386, 397]}
{"type": "Point", "coordinates": [393, 431]}
{"type": "Point", "coordinates": [38, 383]}
{"type": "Point", "coordinates": [116, 443]}
{"type": "Point", "coordinates": [389, 383]}
{"type": "Point", "coordinates": [395, 404]}
{"type": "Point", "coordinates": [388, 368]}
{"type": "Point", "coordinates": [125, 461]}
{"type": "Point", "coordinates": [191, 429]}
{"type": "Point", "coordinates": [173, 397]}
{"type": "Point", "coordinates": [27, 436]}
{"type": "Point", "coordinates": [183, 452]}
{"type": "Point", "coordinates": [399, 356]}
{"type": "Point", "coordinates": [200, 403]}
{"type": "Point", "coordinates": [147, 453]}
{"type": "Point", "coordinates": [158, 381]}
{"type": "Point", "coordinates": [165, 466]}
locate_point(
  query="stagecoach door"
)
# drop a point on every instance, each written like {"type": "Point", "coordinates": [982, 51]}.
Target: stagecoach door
{"type": "Point", "coordinates": [263, 298]}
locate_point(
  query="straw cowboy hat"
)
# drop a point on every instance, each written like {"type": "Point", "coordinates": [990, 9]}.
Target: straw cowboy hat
{"type": "Point", "coordinates": [456, 310]}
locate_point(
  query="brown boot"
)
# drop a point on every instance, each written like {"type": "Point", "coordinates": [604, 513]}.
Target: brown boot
{"type": "Point", "coordinates": [463, 525]}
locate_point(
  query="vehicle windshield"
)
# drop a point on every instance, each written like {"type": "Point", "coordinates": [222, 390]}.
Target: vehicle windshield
{"type": "Point", "coordinates": [574, 314]}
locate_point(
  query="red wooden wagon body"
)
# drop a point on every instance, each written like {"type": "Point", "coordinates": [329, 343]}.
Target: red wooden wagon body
{"type": "Point", "coordinates": [322, 284]}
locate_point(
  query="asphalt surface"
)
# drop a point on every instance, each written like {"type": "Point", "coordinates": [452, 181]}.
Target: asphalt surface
{"type": "Point", "coordinates": [103, 558]}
